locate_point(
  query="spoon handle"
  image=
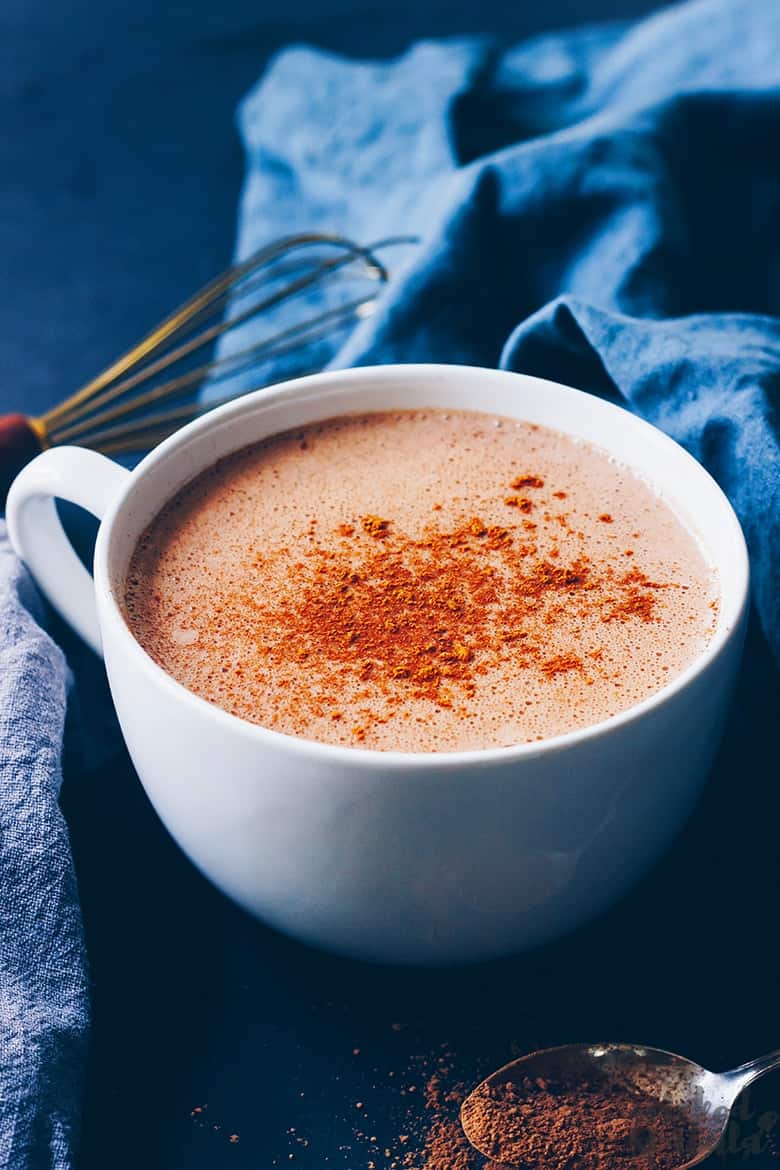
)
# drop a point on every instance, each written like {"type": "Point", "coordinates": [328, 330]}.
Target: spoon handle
{"type": "Point", "coordinates": [745, 1074]}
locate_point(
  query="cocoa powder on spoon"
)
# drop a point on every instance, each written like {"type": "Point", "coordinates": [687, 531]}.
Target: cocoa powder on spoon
{"type": "Point", "coordinates": [590, 1124]}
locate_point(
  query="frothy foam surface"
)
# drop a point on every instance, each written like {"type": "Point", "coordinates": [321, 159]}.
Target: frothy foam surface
{"type": "Point", "coordinates": [420, 581]}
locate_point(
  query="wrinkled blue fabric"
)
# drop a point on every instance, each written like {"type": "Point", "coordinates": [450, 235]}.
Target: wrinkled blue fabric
{"type": "Point", "coordinates": [44, 1008]}
{"type": "Point", "coordinates": [600, 208]}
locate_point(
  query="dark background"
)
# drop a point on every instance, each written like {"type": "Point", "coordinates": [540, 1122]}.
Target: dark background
{"type": "Point", "coordinates": [119, 177]}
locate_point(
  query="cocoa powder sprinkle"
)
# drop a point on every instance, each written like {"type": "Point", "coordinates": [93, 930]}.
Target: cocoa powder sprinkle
{"type": "Point", "coordinates": [527, 481]}
{"type": "Point", "coordinates": [375, 526]}
{"type": "Point", "coordinates": [521, 502]}
{"type": "Point", "coordinates": [426, 615]}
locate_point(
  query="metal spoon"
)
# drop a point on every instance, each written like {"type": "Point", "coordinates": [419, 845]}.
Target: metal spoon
{"type": "Point", "coordinates": [705, 1097]}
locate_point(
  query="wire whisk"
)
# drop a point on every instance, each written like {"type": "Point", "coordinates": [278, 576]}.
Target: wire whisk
{"type": "Point", "coordinates": [156, 386]}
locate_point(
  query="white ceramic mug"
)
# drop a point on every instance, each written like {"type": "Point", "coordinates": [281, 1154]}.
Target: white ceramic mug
{"type": "Point", "coordinates": [406, 857]}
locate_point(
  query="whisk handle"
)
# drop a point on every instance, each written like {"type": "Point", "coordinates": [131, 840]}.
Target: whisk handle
{"type": "Point", "coordinates": [82, 477]}
{"type": "Point", "coordinates": [18, 445]}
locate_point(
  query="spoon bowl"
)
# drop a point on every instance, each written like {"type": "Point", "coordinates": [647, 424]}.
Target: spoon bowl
{"type": "Point", "coordinates": [704, 1098]}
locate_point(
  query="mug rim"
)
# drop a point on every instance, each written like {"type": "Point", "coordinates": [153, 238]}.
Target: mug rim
{"type": "Point", "coordinates": [374, 759]}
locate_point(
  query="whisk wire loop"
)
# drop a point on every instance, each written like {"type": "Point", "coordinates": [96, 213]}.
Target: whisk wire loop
{"type": "Point", "coordinates": [112, 411]}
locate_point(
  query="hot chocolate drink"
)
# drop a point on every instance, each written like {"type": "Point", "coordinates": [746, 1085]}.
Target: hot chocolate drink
{"type": "Point", "coordinates": [421, 581]}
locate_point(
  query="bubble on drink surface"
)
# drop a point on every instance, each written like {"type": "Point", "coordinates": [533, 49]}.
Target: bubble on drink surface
{"type": "Point", "coordinates": [184, 636]}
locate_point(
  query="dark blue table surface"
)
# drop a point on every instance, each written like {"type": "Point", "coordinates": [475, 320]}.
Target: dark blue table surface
{"type": "Point", "coordinates": [119, 173]}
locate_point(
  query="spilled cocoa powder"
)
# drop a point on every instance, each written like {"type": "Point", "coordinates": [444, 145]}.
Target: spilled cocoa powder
{"type": "Point", "coordinates": [406, 1116]}
{"type": "Point", "coordinates": [444, 1146]}
{"type": "Point", "coordinates": [586, 1123]}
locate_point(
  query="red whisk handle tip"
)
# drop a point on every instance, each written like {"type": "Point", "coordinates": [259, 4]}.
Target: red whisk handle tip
{"type": "Point", "coordinates": [19, 443]}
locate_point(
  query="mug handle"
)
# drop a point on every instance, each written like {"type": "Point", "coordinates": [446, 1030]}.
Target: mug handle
{"type": "Point", "coordinates": [82, 477]}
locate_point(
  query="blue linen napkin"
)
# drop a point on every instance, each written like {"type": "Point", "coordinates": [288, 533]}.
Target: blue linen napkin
{"type": "Point", "coordinates": [44, 1008]}
{"type": "Point", "coordinates": [599, 207]}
